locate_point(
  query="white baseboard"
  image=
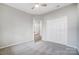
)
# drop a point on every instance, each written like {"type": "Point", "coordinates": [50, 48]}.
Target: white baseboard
{"type": "Point", "coordinates": [13, 44]}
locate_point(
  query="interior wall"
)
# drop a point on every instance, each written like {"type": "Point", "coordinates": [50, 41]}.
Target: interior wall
{"type": "Point", "coordinates": [78, 28]}
{"type": "Point", "coordinates": [15, 26]}
{"type": "Point", "coordinates": [71, 13]}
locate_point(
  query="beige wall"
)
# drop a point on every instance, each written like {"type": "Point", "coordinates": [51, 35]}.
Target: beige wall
{"type": "Point", "coordinates": [15, 26]}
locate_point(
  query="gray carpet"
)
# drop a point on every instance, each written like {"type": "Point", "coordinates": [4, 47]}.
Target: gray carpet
{"type": "Point", "coordinates": [39, 48]}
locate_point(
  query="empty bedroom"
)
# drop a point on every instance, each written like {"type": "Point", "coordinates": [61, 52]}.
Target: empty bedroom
{"type": "Point", "coordinates": [39, 29]}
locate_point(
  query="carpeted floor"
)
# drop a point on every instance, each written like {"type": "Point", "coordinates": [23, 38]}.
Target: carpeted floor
{"type": "Point", "coordinates": [39, 48]}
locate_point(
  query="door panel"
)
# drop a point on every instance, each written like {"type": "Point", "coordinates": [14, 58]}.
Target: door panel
{"type": "Point", "coordinates": [56, 30]}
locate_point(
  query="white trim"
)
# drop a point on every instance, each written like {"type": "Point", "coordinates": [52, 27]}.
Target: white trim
{"type": "Point", "coordinates": [13, 44]}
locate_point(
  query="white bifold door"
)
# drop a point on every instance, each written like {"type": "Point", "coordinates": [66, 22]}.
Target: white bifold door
{"type": "Point", "coordinates": [56, 30]}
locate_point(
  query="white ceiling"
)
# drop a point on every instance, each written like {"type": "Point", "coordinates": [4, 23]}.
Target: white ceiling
{"type": "Point", "coordinates": [27, 7]}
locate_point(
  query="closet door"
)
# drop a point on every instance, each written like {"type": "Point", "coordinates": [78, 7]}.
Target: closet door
{"type": "Point", "coordinates": [56, 30]}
